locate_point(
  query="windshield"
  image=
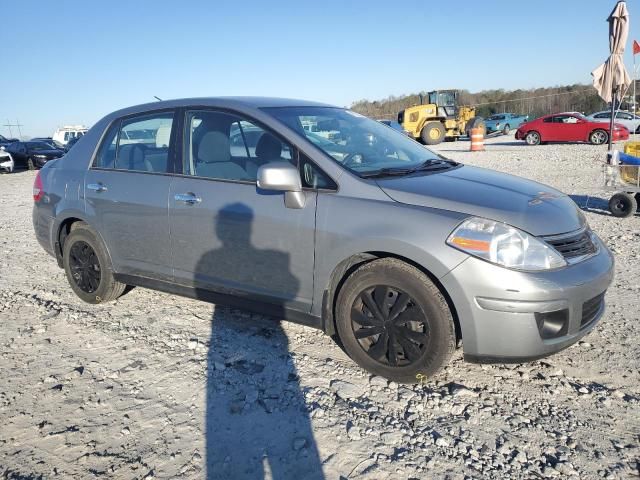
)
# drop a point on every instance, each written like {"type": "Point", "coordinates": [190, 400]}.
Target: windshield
{"type": "Point", "coordinates": [358, 143]}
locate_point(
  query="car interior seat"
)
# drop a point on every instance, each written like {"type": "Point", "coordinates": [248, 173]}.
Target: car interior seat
{"type": "Point", "coordinates": [214, 158]}
{"type": "Point", "coordinates": [132, 157]}
{"type": "Point", "coordinates": [268, 149]}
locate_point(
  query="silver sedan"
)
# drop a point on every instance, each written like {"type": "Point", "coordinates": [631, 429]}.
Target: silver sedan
{"type": "Point", "coordinates": [628, 119]}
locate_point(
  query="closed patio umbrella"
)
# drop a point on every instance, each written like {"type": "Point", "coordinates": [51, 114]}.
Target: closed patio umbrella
{"type": "Point", "coordinates": [611, 79]}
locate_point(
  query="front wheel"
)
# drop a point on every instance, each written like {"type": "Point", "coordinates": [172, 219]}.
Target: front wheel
{"type": "Point", "coordinates": [599, 137]}
{"type": "Point", "coordinates": [532, 138]}
{"type": "Point", "coordinates": [394, 322]}
{"type": "Point", "coordinates": [506, 130]}
{"type": "Point", "coordinates": [88, 268]}
{"type": "Point", "coordinates": [623, 205]}
{"type": "Point", "coordinates": [433, 133]}
{"type": "Point", "coordinates": [30, 164]}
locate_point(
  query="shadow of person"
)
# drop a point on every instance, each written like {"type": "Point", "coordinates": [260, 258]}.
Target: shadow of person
{"type": "Point", "coordinates": [257, 422]}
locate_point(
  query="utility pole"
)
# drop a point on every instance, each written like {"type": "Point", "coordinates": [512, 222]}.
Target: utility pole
{"type": "Point", "coordinates": [17, 124]}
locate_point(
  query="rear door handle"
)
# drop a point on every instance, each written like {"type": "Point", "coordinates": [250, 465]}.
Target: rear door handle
{"type": "Point", "coordinates": [97, 187]}
{"type": "Point", "coordinates": [188, 198]}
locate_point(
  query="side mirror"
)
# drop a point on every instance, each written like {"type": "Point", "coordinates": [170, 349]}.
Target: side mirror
{"type": "Point", "coordinates": [282, 177]}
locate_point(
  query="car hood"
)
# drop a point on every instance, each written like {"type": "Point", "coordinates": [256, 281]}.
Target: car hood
{"type": "Point", "coordinates": [528, 205]}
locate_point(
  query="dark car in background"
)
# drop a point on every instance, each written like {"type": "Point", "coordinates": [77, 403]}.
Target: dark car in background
{"type": "Point", "coordinates": [4, 141]}
{"type": "Point", "coordinates": [33, 155]}
{"type": "Point", "coordinates": [50, 141]}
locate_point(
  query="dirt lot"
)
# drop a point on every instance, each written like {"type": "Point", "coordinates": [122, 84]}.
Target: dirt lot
{"type": "Point", "coordinates": [160, 386]}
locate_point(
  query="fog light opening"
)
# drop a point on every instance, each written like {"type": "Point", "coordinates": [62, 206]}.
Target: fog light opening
{"type": "Point", "coordinates": [552, 324]}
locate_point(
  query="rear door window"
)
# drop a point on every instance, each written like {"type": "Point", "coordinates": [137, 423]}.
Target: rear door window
{"type": "Point", "coordinates": [140, 144]}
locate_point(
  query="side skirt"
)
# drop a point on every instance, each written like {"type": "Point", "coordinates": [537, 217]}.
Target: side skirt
{"type": "Point", "coordinates": [243, 303]}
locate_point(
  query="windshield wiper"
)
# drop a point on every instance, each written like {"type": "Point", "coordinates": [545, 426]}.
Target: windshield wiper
{"type": "Point", "coordinates": [385, 172]}
{"type": "Point", "coordinates": [431, 164]}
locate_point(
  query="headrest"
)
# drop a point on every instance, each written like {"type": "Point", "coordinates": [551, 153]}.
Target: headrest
{"type": "Point", "coordinates": [268, 147]}
{"type": "Point", "coordinates": [214, 148]}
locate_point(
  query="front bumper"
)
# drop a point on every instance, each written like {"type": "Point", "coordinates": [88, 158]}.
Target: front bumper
{"type": "Point", "coordinates": [503, 313]}
{"type": "Point", "coordinates": [6, 165]}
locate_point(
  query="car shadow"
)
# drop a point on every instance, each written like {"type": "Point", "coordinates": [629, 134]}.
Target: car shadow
{"type": "Point", "coordinates": [257, 421]}
{"type": "Point", "coordinates": [592, 204]}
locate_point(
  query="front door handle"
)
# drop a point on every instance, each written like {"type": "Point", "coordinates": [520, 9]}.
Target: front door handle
{"type": "Point", "coordinates": [97, 187]}
{"type": "Point", "coordinates": [188, 198]}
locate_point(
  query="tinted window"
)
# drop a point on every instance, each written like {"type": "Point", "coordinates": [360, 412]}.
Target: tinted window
{"type": "Point", "coordinates": [140, 144]}
{"type": "Point", "coordinates": [624, 116]}
{"type": "Point", "coordinates": [228, 147]}
{"type": "Point", "coordinates": [603, 115]}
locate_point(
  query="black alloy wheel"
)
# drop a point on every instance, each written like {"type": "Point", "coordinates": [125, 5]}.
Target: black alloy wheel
{"type": "Point", "coordinates": [389, 326]}
{"type": "Point", "coordinates": [85, 267]}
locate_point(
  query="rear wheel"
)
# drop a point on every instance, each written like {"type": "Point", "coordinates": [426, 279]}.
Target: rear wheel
{"type": "Point", "coordinates": [623, 205]}
{"type": "Point", "coordinates": [30, 164]}
{"type": "Point", "coordinates": [599, 137]}
{"type": "Point", "coordinates": [506, 130]}
{"type": "Point", "coordinates": [532, 138]}
{"type": "Point", "coordinates": [476, 122]}
{"type": "Point", "coordinates": [394, 322]}
{"type": "Point", "coordinates": [88, 268]}
{"type": "Point", "coordinates": [432, 133]}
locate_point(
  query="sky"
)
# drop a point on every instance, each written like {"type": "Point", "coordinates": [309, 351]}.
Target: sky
{"type": "Point", "coordinates": [72, 62]}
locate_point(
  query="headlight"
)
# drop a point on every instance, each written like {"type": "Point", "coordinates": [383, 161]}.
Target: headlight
{"type": "Point", "coordinates": [504, 245]}
{"type": "Point", "coordinates": [40, 156]}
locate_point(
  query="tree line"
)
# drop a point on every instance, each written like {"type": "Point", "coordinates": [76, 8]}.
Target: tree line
{"type": "Point", "coordinates": [533, 102]}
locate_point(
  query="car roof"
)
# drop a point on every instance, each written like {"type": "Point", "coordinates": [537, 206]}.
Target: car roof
{"type": "Point", "coordinates": [609, 111]}
{"type": "Point", "coordinates": [221, 102]}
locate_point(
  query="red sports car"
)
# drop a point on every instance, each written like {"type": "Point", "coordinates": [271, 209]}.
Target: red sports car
{"type": "Point", "coordinates": [568, 127]}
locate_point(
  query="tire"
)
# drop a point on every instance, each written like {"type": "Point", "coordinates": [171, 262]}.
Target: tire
{"type": "Point", "coordinates": [476, 122]}
{"type": "Point", "coordinates": [92, 281]}
{"type": "Point", "coordinates": [598, 137]}
{"type": "Point", "coordinates": [390, 283]}
{"type": "Point", "coordinates": [623, 205]}
{"type": "Point", "coordinates": [506, 130]}
{"type": "Point", "coordinates": [532, 138]}
{"type": "Point", "coordinates": [432, 133]}
{"type": "Point", "coordinates": [30, 164]}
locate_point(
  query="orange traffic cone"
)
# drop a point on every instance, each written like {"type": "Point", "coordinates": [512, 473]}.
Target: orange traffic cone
{"type": "Point", "coordinates": [477, 139]}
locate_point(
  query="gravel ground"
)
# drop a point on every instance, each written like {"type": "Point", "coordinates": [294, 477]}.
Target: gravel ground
{"type": "Point", "coordinates": [155, 385]}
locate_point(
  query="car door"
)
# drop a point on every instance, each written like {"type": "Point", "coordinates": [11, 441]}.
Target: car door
{"type": "Point", "coordinates": [18, 151]}
{"type": "Point", "coordinates": [227, 235]}
{"type": "Point", "coordinates": [126, 192]}
{"type": "Point", "coordinates": [626, 119]}
{"type": "Point", "coordinates": [568, 128]}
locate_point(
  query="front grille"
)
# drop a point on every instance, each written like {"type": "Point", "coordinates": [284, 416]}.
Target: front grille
{"type": "Point", "coordinates": [591, 309]}
{"type": "Point", "coordinates": [573, 246]}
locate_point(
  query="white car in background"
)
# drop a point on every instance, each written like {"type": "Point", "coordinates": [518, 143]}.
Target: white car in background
{"type": "Point", "coordinates": [628, 119]}
{"type": "Point", "coordinates": [6, 162]}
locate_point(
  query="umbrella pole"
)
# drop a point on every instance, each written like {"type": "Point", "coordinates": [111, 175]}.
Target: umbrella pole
{"type": "Point", "coordinates": [613, 112]}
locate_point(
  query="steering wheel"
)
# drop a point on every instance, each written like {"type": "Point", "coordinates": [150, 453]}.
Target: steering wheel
{"type": "Point", "coordinates": [353, 159]}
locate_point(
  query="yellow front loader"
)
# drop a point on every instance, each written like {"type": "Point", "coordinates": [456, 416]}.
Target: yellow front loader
{"type": "Point", "coordinates": [439, 119]}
